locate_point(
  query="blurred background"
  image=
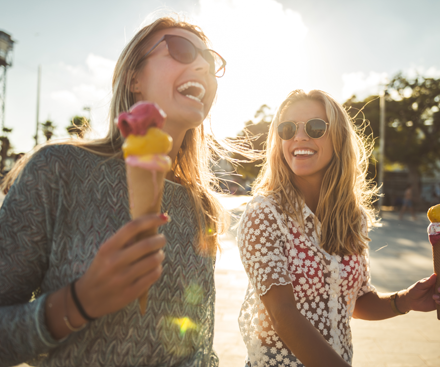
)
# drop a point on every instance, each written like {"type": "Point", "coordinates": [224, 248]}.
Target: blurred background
{"type": "Point", "coordinates": [380, 59]}
{"type": "Point", "coordinates": [57, 60]}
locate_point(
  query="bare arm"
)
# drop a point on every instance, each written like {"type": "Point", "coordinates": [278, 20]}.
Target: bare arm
{"type": "Point", "coordinates": [377, 306]}
{"type": "Point", "coordinates": [300, 336]}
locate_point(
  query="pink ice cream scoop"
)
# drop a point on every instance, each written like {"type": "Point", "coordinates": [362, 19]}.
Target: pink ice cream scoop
{"type": "Point", "coordinates": [434, 233]}
{"type": "Point", "coordinates": [141, 116]}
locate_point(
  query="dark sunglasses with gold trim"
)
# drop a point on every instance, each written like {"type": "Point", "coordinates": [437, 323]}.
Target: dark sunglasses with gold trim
{"type": "Point", "coordinates": [314, 128]}
{"type": "Point", "coordinates": [184, 51]}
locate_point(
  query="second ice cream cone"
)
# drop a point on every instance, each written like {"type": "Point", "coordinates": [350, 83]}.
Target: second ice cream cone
{"type": "Point", "coordinates": [145, 192]}
{"type": "Point", "coordinates": [436, 259]}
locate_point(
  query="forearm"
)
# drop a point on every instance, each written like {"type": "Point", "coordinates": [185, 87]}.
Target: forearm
{"type": "Point", "coordinates": [303, 339]}
{"type": "Point", "coordinates": [23, 333]}
{"type": "Point", "coordinates": [377, 306]}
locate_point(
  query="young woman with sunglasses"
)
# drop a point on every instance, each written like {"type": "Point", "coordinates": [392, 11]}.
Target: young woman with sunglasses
{"type": "Point", "coordinates": [66, 236]}
{"type": "Point", "coordinates": [303, 241]}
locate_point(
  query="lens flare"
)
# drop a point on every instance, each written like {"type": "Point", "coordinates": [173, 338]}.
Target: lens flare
{"type": "Point", "coordinates": [185, 324]}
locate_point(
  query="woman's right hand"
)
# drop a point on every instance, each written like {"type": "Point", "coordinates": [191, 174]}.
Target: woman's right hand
{"type": "Point", "coordinates": [122, 270]}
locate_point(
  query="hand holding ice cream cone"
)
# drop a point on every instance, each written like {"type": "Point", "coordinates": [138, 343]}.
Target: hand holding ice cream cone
{"type": "Point", "coordinates": [145, 152]}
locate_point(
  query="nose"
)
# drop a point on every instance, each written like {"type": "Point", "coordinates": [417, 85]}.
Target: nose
{"type": "Point", "coordinates": [301, 134]}
{"type": "Point", "coordinates": [200, 64]}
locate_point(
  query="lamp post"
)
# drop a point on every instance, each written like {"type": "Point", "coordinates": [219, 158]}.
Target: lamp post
{"type": "Point", "coordinates": [381, 146]}
{"type": "Point", "coordinates": [6, 45]}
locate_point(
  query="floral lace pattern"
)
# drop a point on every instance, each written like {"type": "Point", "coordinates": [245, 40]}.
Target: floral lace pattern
{"type": "Point", "coordinates": [276, 251]}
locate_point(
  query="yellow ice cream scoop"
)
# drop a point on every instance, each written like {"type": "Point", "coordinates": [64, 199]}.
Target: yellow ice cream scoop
{"type": "Point", "coordinates": [155, 141]}
{"type": "Point", "coordinates": [434, 214]}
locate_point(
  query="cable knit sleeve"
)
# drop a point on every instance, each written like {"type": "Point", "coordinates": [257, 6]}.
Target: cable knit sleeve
{"type": "Point", "coordinates": [26, 225]}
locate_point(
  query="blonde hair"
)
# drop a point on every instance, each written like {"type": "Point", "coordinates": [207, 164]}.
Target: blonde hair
{"type": "Point", "coordinates": [193, 160]}
{"type": "Point", "coordinates": [346, 195]}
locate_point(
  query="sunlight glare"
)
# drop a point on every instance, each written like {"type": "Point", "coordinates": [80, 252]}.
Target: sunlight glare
{"type": "Point", "coordinates": [263, 44]}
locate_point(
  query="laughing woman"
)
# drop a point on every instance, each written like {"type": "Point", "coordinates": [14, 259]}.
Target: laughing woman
{"type": "Point", "coordinates": [65, 226]}
{"type": "Point", "coordinates": [303, 241]}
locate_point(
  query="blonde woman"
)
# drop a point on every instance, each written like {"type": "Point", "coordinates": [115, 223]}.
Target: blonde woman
{"type": "Point", "coordinates": [303, 241]}
{"type": "Point", "coordinates": [67, 238]}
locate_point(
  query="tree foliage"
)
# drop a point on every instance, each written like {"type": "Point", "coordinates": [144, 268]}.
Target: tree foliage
{"type": "Point", "coordinates": [79, 125]}
{"type": "Point", "coordinates": [47, 128]}
{"type": "Point", "coordinates": [257, 132]}
{"type": "Point", "coordinates": [412, 123]}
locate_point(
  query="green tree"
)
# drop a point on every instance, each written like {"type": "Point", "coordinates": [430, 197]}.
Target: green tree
{"type": "Point", "coordinates": [79, 125]}
{"type": "Point", "coordinates": [47, 128]}
{"type": "Point", "coordinates": [5, 147]}
{"type": "Point", "coordinates": [412, 124]}
{"type": "Point", "coordinates": [257, 131]}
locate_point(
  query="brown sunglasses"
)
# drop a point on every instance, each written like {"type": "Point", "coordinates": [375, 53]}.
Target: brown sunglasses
{"type": "Point", "coordinates": [314, 128]}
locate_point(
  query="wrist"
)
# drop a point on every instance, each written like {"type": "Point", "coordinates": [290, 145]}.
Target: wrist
{"type": "Point", "coordinates": [82, 307]}
{"type": "Point", "coordinates": [401, 303]}
{"type": "Point", "coordinates": [74, 316]}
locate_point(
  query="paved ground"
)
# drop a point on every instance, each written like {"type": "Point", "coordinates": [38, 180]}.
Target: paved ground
{"type": "Point", "coordinates": [412, 340]}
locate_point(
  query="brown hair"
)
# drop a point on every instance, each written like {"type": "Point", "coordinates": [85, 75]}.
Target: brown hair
{"type": "Point", "coordinates": [346, 195]}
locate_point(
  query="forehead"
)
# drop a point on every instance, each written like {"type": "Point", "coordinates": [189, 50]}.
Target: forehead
{"type": "Point", "coordinates": [178, 32]}
{"type": "Point", "coordinates": [302, 111]}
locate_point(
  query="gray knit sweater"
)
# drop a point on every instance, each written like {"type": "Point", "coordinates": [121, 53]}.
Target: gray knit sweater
{"type": "Point", "coordinates": [66, 203]}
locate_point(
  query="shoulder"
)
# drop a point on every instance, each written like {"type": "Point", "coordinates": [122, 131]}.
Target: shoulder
{"type": "Point", "coordinates": [264, 210]}
{"type": "Point", "coordinates": [66, 153]}
{"type": "Point", "coordinates": [66, 158]}
{"type": "Point", "coordinates": [263, 204]}
{"type": "Point", "coordinates": [56, 162]}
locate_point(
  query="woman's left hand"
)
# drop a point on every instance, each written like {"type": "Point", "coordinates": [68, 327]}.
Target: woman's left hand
{"type": "Point", "coordinates": [419, 297]}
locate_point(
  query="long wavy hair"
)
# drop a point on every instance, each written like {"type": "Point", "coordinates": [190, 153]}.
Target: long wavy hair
{"type": "Point", "coordinates": [192, 164]}
{"type": "Point", "coordinates": [346, 196]}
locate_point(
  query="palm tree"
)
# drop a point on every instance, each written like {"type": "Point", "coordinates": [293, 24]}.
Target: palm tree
{"type": "Point", "coordinates": [78, 126]}
{"type": "Point", "coordinates": [48, 127]}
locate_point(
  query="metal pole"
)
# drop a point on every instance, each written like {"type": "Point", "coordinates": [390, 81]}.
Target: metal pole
{"type": "Point", "coordinates": [3, 97]}
{"type": "Point", "coordinates": [381, 146]}
{"type": "Point", "coordinates": [38, 104]}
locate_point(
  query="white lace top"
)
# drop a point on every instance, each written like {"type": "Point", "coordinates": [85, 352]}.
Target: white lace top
{"type": "Point", "coordinates": [275, 251]}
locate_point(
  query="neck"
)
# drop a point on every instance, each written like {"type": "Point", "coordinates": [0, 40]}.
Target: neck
{"type": "Point", "coordinates": [310, 188]}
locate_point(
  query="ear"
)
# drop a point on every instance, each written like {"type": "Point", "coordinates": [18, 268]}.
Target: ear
{"type": "Point", "coordinates": [135, 85]}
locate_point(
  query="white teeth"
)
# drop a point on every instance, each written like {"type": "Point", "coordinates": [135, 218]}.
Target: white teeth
{"type": "Point", "coordinates": [199, 88]}
{"type": "Point", "coordinates": [194, 98]}
{"type": "Point", "coordinates": [303, 152]}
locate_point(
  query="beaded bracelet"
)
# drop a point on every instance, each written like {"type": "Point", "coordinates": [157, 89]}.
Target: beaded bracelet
{"type": "Point", "coordinates": [78, 303]}
{"type": "Point", "coordinates": [394, 306]}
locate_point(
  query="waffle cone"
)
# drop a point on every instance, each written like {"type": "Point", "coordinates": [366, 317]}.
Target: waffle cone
{"type": "Point", "coordinates": [145, 190]}
{"type": "Point", "coordinates": [436, 259]}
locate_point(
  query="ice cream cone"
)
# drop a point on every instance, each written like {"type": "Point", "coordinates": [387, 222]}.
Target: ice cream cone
{"type": "Point", "coordinates": [434, 239]}
{"type": "Point", "coordinates": [435, 242]}
{"type": "Point", "coordinates": [145, 193]}
{"type": "Point", "coordinates": [145, 150]}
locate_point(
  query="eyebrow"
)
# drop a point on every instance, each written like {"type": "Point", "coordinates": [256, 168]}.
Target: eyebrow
{"type": "Point", "coordinates": [312, 118]}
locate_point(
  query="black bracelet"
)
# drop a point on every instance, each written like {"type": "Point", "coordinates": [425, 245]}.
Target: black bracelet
{"type": "Point", "coordinates": [78, 303]}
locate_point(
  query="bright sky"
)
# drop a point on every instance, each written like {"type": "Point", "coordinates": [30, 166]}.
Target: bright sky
{"type": "Point", "coordinates": [272, 47]}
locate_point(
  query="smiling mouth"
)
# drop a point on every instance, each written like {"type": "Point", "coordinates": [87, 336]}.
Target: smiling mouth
{"type": "Point", "coordinates": [192, 90]}
{"type": "Point", "coordinates": [303, 153]}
